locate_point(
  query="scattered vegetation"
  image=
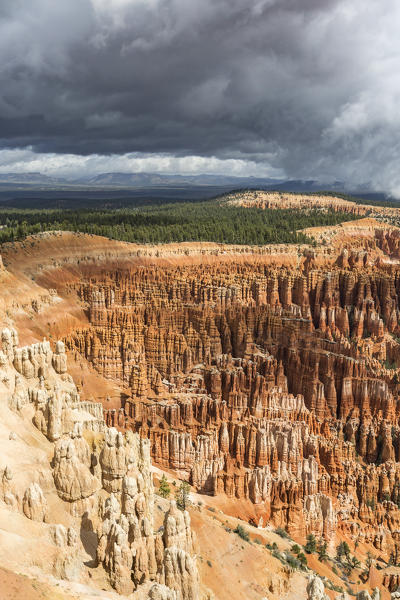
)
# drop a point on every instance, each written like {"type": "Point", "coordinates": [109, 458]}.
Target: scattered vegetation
{"type": "Point", "coordinates": [242, 533]}
{"type": "Point", "coordinates": [301, 557]}
{"type": "Point", "coordinates": [182, 496]}
{"type": "Point", "coordinates": [282, 533]}
{"type": "Point", "coordinates": [332, 586]}
{"type": "Point", "coordinates": [293, 559]}
{"type": "Point", "coordinates": [322, 551]}
{"type": "Point", "coordinates": [345, 560]}
{"type": "Point", "coordinates": [342, 551]}
{"type": "Point", "coordinates": [311, 545]}
{"type": "Point", "coordinates": [164, 490]}
{"type": "Point", "coordinates": [298, 562]}
{"type": "Point", "coordinates": [273, 546]}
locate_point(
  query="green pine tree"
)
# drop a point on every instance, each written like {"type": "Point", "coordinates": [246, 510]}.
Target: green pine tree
{"type": "Point", "coordinates": [322, 551]}
{"type": "Point", "coordinates": [164, 490]}
{"type": "Point", "coordinates": [311, 545]}
{"type": "Point", "coordinates": [182, 496]}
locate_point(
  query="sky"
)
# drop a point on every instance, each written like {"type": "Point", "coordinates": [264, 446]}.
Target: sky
{"type": "Point", "coordinates": [305, 89]}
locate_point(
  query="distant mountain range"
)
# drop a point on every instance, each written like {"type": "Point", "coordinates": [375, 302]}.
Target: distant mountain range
{"type": "Point", "coordinates": [156, 179]}
{"type": "Point", "coordinates": [131, 180]}
{"type": "Point", "coordinates": [29, 178]}
{"type": "Point", "coordinates": [156, 184]}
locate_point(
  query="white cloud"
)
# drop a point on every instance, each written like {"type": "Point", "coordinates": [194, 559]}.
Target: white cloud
{"type": "Point", "coordinates": [74, 166]}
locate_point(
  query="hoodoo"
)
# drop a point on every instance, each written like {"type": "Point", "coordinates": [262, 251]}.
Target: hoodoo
{"type": "Point", "coordinates": [98, 482]}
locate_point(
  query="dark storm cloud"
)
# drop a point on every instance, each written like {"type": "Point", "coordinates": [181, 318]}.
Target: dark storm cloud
{"type": "Point", "coordinates": [308, 86]}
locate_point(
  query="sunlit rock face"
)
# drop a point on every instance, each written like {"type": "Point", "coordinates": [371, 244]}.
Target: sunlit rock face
{"type": "Point", "coordinates": [260, 381]}
{"type": "Point", "coordinates": [91, 476]}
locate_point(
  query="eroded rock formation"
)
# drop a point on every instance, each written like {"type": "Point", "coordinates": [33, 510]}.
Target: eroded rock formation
{"type": "Point", "coordinates": [129, 550]}
{"type": "Point", "coordinates": [261, 382]}
{"type": "Point", "coordinates": [100, 478]}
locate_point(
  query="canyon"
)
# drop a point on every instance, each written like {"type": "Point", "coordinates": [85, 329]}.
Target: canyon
{"type": "Point", "coordinates": [260, 382]}
{"type": "Point", "coordinates": [265, 377]}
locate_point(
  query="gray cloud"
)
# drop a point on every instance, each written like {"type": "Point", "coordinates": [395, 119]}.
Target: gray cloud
{"type": "Point", "coordinates": [305, 86]}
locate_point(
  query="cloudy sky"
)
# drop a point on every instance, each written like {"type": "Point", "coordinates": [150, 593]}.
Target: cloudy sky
{"type": "Point", "coordinates": [295, 88]}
